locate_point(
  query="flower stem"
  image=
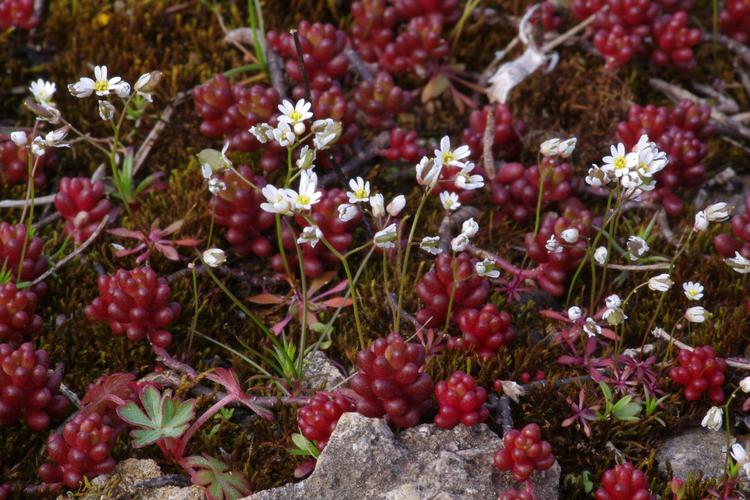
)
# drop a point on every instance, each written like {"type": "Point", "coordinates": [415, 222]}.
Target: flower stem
{"type": "Point", "coordinates": [407, 251]}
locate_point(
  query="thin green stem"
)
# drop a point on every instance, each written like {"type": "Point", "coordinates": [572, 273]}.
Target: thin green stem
{"type": "Point", "coordinates": [303, 334]}
{"type": "Point", "coordinates": [404, 264]}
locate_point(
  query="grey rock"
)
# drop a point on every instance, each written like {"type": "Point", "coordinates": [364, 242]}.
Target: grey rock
{"type": "Point", "coordinates": [319, 373]}
{"type": "Point", "coordinates": [125, 479]}
{"type": "Point", "coordinates": [695, 450]}
{"type": "Point", "coordinates": [365, 460]}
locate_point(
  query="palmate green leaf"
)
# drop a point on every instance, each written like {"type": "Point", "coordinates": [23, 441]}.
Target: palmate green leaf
{"type": "Point", "coordinates": [219, 480]}
{"type": "Point", "coordinates": [161, 417]}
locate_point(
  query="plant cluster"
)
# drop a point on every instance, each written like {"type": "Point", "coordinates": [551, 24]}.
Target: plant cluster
{"type": "Point", "coordinates": [18, 14]}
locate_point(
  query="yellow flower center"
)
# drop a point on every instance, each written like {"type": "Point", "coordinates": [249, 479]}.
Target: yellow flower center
{"type": "Point", "coordinates": [295, 116]}
{"type": "Point", "coordinates": [620, 163]}
{"type": "Point", "coordinates": [692, 293]}
{"type": "Point", "coordinates": [360, 193]}
{"type": "Point", "coordinates": [448, 157]}
{"type": "Point", "coordinates": [303, 199]}
{"type": "Point", "coordinates": [101, 86]}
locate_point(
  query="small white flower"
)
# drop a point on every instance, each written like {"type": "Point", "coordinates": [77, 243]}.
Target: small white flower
{"type": "Point", "coordinates": [43, 91]}
{"type": "Point", "coordinates": [101, 84]}
{"type": "Point", "coordinates": [106, 110]}
{"type": "Point", "coordinates": [449, 200]}
{"type": "Point", "coordinates": [347, 212]}
{"type": "Point", "coordinates": [376, 203]}
{"type": "Point", "coordinates": [19, 138]}
{"type": "Point", "coordinates": [306, 158]}
{"type": "Point", "coordinates": [574, 313]}
{"type": "Point", "coordinates": [739, 263]}
{"type": "Point", "coordinates": [697, 314]}
{"type": "Point", "coordinates": [431, 244]}
{"type": "Point", "coordinates": [660, 283]}
{"type": "Point", "coordinates": [550, 147]}
{"type": "Point", "coordinates": [450, 157]}
{"type": "Point", "coordinates": [637, 247]}
{"type": "Point", "coordinates": [214, 257]}
{"type": "Point", "coordinates": [512, 389]}
{"type": "Point", "coordinates": [693, 291]}
{"type": "Point", "coordinates": [713, 419]}
{"type": "Point", "coordinates": [310, 235]}
{"type": "Point", "coordinates": [396, 205]}
{"type": "Point", "coordinates": [263, 132]}
{"type": "Point", "coordinates": [327, 132]}
{"type": "Point", "coordinates": [54, 138]}
{"type": "Point", "coordinates": [600, 255]}
{"type": "Point", "coordinates": [597, 177]}
{"type": "Point", "coordinates": [465, 180]}
{"type": "Point", "coordinates": [566, 147]}
{"type": "Point", "coordinates": [216, 185]}
{"type": "Point", "coordinates": [428, 171]}
{"type": "Point", "coordinates": [470, 227]}
{"type": "Point", "coordinates": [719, 212]}
{"type": "Point", "coordinates": [614, 315]}
{"type": "Point", "coordinates": [459, 243]}
{"type": "Point", "coordinates": [306, 196]}
{"type": "Point", "coordinates": [613, 301]}
{"type": "Point", "coordinates": [591, 328]}
{"type": "Point", "coordinates": [570, 235]}
{"type": "Point", "coordinates": [122, 90]}
{"type": "Point", "coordinates": [649, 159]}
{"type": "Point", "coordinates": [38, 146]}
{"type": "Point", "coordinates": [386, 238]}
{"type": "Point", "coordinates": [277, 200]}
{"type": "Point", "coordinates": [295, 114]}
{"type": "Point", "coordinates": [739, 454]}
{"type": "Point", "coordinates": [619, 163]}
{"type": "Point", "coordinates": [146, 83]}
{"type": "Point", "coordinates": [284, 135]}
{"type": "Point", "coordinates": [487, 268]}
{"type": "Point", "coordinates": [745, 384]}
{"type": "Point", "coordinates": [701, 221]}
{"type": "Point", "coordinates": [552, 245]}
{"type": "Point", "coordinates": [360, 190]}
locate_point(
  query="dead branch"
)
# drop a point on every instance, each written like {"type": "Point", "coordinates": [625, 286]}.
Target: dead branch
{"type": "Point", "coordinates": [276, 70]}
{"type": "Point", "coordinates": [358, 65]}
{"type": "Point", "coordinates": [153, 135]}
{"type": "Point", "coordinates": [739, 49]}
{"type": "Point", "coordinates": [42, 200]}
{"type": "Point", "coordinates": [487, 142]}
{"type": "Point", "coordinates": [451, 221]}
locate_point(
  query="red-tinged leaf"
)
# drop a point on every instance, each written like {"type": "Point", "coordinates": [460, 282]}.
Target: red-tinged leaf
{"type": "Point", "coordinates": [567, 360]}
{"type": "Point", "coordinates": [436, 86]}
{"type": "Point", "coordinates": [568, 421]}
{"type": "Point", "coordinates": [278, 328]}
{"type": "Point", "coordinates": [168, 251]}
{"type": "Point", "coordinates": [127, 233]}
{"type": "Point", "coordinates": [129, 251]}
{"type": "Point", "coordinates": [173, 227]}
{"type": "Point", "coordinates": [610, 334]}
{"type": "Point", "coordinates": [304, 469]}
{"type": "Point", "coordinates": [320, 282]}
{"type": "Point", "coordinates": [187, 242]}
{"type": "Point", "coordinates": [338, 302]}
{"type": "Point", "coordinates": [220, 481]}
{"type": "Point", "coordinates": [98, 396]}
{"type": "Point", "coordinates": [336, 289]}
{"type": "Point", "coordinates": [549, 313]}
{"type": "Point", "coordinates": [746, 405]}
{"type": "Point", "coordinates": [267, 299]}
{"type": "Point", "coordinates": [228, 379]}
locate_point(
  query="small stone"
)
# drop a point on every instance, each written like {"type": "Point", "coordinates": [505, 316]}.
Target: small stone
{"type": "Point", "coordinates": [319, 373]}
{"type": "Point", "coordinates": [695, 450]}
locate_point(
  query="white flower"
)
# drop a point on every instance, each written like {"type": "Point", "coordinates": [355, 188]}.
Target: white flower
{"type": "Point", "coordinates": [327, 132]}
{"type": "Point", "coordinates": [216, 185]}
{"type": "Point", "coordinates": [591, 328]}
{"type": "Point", "coordinates": [449, 200]}
{"type": "Point", "coordinates": [347, 212]}
{"type": "Point", "coordinates": [470, 227]}
{"type": "Point", "coordinates": [660, 283]}
{"type": "Point", "coordinates": [464, 179]}
{"type": "Point", "coordinates": [459, 243]}
{"type": "Point", "coordinates": [360, 190]}
{"type": "Point", "coordinates": [43, 92]}
{"type": "Point", "coordinates": [396, 205]}
{"type": "Point", "coordinates": [306, 196]}
{"type": "Point", "coordinates": [106, 110]}
{"type": "Point", "coordinates": [19, 138]}
{"type": "Point", "coordinates": [570, 235]}
{"type": "Point", "coordinates": [263, 132]}
{"type": "Point", "coordinates": [600, 255]}
{"type": "Point", "coordinates": [431, 244]}
{"type": "Point", "coordinates": [38, 146]}
{"type": "Point", "coordinates": [552, 245]}
{"type": "Point", "coordinates": [745, 384]}
{"type": "Point", "coordinates": [697, 314]}
{"type": "Point", "coordinates": [649, 159]}
{"type": "Point", "coordinates": [739, 263]}
{"type": "Point", "coordinates": [574, 313]}
{"type": "Point", "coordinates": [512, 389]}
{"type": "Point", "coordinates": [566, 147]}
{"type": "Point", "coordinates": [101, 85]}
{"type": "Point", "coordinates": [719, 212]}
{"type": "Point", "coordinates": [619, 163]}
{"type": "Point", "coordinates": [214, 257]}
{"type": "Point", "coordinates": [277, 200]}
{"type": "Point", "coordinates": [701, 221]}
{"type": "Point", "coordinates": [284, 135]}
{"type": "Point", "coordinates": [739, 454]}
{"type": "Point", "coordinates": [428, 171]}
{"type": "Point", "coordinates": [54, 138]}
{"type": "Point", "coordinates": [376, 203]}
{"type": "Point", "coordinates": [310, 235]}
{"type": "Point", "coordinates": [550, 147]}
{"type": "Point", "coordinates": [306, 158]}
{"type": "Point", "coordinates": [713, 419]}
{"type": "Point", "coordinates": [693, 291]}
{"type": "Point", "coordinates": [295, 114]}
{"type": "Point", "coordinates": [614, 315]}
{"type": "Point", "coordinates": [146, 83]}
{"type": "Point", "coordinates": [385, 238]}
{"type": "Point", "coordinates": [487, 268]}
{"type": "Point", "coordinates": [597, 177]}
{"type": "Point", "coordinates": [637, 247]}
{"type": "Point", "coordinates": [450, 157]}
